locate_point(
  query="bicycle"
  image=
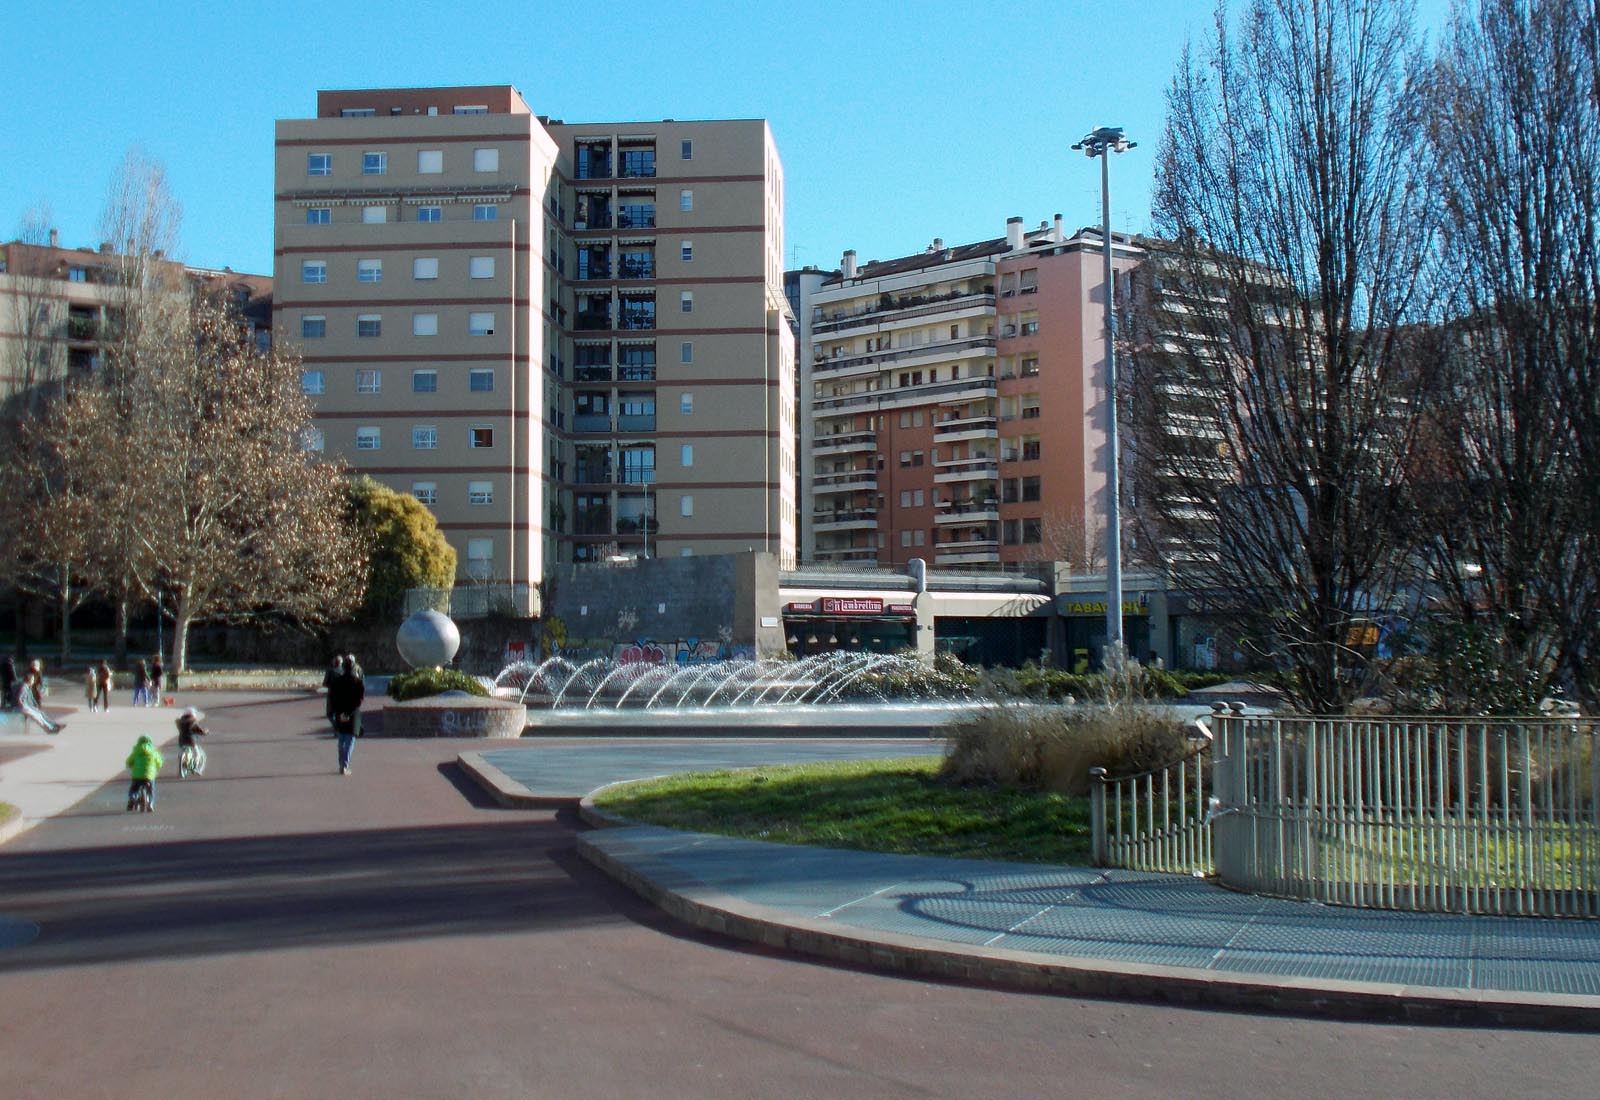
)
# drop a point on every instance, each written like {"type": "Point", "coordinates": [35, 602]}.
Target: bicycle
{"type": "Point", "coordinates": [192, 761]}
{"type": "Point", "coordinates": [143, 800]}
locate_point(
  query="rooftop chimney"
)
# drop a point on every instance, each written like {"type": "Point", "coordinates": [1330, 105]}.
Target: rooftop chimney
{"type": "Point", "coordinates": [849, 264]}
{"type": "Point", "coordinates": [55, 238]}
{"type": "Point", "coordinates": [1013, 234]}
{"type": "Point", "coordinates": [1057, 235]}
{"type": "Point", "coordinates": [937, 245]}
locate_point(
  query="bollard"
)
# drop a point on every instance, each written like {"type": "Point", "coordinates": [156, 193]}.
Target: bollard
{"type": "Point", "coordinates": [1099, 845]}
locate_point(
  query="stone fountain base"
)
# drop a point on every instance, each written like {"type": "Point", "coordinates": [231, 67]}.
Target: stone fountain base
{"type": "Point", "coordinates": [455, 714]}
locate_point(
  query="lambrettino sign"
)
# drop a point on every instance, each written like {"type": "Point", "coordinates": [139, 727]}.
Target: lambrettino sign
{"type": "Point", "coordinates": [849, 605]}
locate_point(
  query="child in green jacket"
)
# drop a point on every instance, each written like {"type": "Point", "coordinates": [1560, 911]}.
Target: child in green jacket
{"type": "Point", "coordinates": [144, 764]}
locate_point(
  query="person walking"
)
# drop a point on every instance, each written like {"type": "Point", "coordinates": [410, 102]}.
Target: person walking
{"type": "Point", "coordinates": [141, 683]}
{"type": "Point", "coordinates": [335, 667]}
{"type": "Point", "coordinates": [102, 686]}
{"type": "Point", "coordinates": [153, 698]}
{"type": "Point", "coordinates": [88, 688]}
{"type": "Point", "coordinates": [345, 696]}
{"type": "Point", "coordinates": [8, 682]}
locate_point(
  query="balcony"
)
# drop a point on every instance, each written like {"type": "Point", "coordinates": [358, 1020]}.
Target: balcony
{"type": "Point", "coordinates": [844, 443]}
{"type": "Point", "coordinates": [959, 428]}
{"type": "Point", "coordinates": [630, 217]}
{"type": "Point", "coordinates": [591, 322]}
{"type": "Point", "coordinates": [634, 320]}
{"type": "Point", "coordinates": [636, 422]}
{"type": "Point", "coordinates": [849, 481]}
{"type": "Point", "coordinates": [636, 269]}
{"type": "Point", "coordinates": [591, 422]}
{"type": "Point", "coordinates": [968, 348]}
{"type": "Point", "coordinates": [592, 521]}
{"type": "Point", "coordinates": [600, 219]}
{"type": "Point", "coordinates": [636, 372]}
{"type": "Point", "coordinates": [83, 328]}
{"type": "Point", "coordinates": [592, 475]}
{"type": "Point", "coordinates": [959, 553]}
{"type": "Point", "coordinates": [947, 471]}
{"type": "Point", "coordinates": [906, 307]}
{"type": "Point", "coordinates": [863, 519]}
{"type": "Point", "coordinates": [964, 389]}
{"type": "Point", "coordinates": [968, 513]}
{"type": "Point", "coordinates": [865, 555]}
{"type": "Point", "coordinates": [592, 372]}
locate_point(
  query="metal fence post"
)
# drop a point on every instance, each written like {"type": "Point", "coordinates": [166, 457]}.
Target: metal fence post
{"type": "Point", "coordinates": [1099, 846]}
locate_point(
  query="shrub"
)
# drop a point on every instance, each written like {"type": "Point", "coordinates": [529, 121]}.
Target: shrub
{"type": "Point", "coordinates": [1054, 750]}
{"type": "Point", "coordinates": [422, 682]}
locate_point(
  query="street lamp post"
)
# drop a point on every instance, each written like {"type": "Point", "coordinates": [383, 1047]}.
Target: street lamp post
{"type": "Point", "coordinates": [1101, 143]}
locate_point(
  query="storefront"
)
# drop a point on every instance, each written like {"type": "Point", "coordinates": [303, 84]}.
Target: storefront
{"type": "Point", "coordinates": [854, 623]}
{"type": "Point", "coordinates": [1085, 619]}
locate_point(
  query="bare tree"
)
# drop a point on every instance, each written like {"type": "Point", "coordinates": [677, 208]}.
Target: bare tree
{"type": "Point", "coordinates": [146, 308]}
{"type": "Point", "coordinates": [1514, 124]}
{"type": "Point", "coordinates": [238, 520]}
{"type": "Point", "coordinates": [1289, 178]}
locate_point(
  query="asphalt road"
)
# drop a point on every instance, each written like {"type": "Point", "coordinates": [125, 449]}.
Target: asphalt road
{"type": "Point", "coordinates": [277, 930]}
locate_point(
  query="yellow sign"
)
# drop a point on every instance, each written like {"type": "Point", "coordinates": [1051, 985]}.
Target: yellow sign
{"type": "Point", "coordinates": [1098, 607]}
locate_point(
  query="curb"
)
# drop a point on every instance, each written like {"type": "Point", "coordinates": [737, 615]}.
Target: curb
{"type": "Point", "coordinates": [507, 791]}
{"type": "Point", "coordinates": [691, 901]}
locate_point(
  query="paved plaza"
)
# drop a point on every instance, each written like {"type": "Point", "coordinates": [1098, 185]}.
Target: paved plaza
{"type": "Point", "coordinates": [276, 929]}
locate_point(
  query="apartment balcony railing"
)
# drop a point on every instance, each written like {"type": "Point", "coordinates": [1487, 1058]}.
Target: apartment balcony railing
{"type": "Point", "coordinates": [849, 481]}
{"type": "Point", "coordinates": [591, 422]}
{"type": "Point", "coordinates": [592, 372]}
{"type": "Point", "coordinates": [634, 320]}
{"type": "Point", "coordinates": [945, 349]}
{"type": "Point", "coordinates": [592, 475]}
{"type": "Point", "coordinates": [591, 322]}
{"type": "Point", "coordinates": [593, 221]}
{"type": "Point", "coordinates": [636, 422]}
{"type": "Point", "coordinates": [636, 372]}
{"type": "Point", "coordinates": [594, 271]}
{"type": "Point", "coordinates": [971, 427]}
{"type": "Point", "coordinates": [844, 443]}
{"type": "Point", "coordinates": [968, 512]}
{"type": "Point", "coordinates": [907, 306]}
{"type": "Point", "coordinates": [962, 389]}
{"type": "Point", "coordinates": [860, 519]}
{"type": "Point", "coordinates": [966, 469]}
{"type": "Point", "coordinates": [83, 328]}
{"type": "Point", "coordinates": [592, 521]}
{"type": "Point", "coordinates": [636, 220]}
{"type": "Point", "coordinates": [636, 270]}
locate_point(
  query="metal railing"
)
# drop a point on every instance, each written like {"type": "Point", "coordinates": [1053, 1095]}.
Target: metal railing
{"type": "Point", "coordinates": [1466, 815]}
{"type": "Point", "coordinates": [1157, 821]}
{"type": "Point", "coordinates": [1472, 815]}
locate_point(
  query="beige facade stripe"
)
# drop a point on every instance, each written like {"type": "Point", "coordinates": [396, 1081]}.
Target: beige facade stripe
{"type": "Point", "coordinates": [397, 139]}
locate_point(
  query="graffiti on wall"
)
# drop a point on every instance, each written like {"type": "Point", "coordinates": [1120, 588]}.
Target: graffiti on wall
{"type": "Point", "coordinates": [683, 651]}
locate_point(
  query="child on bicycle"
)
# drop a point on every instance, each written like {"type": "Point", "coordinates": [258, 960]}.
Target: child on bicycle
{"type": "Point", "coordinates": [144, 764]}
{"type": "Point", "coordinates": [189, 728]}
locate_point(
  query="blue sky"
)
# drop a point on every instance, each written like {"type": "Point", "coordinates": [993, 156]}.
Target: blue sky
{"type": "Point", "coordinates": [897, 122]}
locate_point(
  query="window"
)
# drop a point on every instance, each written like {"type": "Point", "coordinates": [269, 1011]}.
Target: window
{"type": "Point", "coordinates": [480, 492]}
{"type": "Point", "coordinates": [374, 164]}
{"type": "Point", "coordinates": [1030, 328]}
{"type": "Point", "coordinates": [1030, 367]}
{"type": "Point", "coordinates": [686, 404]}
{"type": "Point", "coordinates": [638, 163]}
{"type": "Point", "coordinates": [485, 212]}
{"type": "Point", "coordinates": [1008, 491]}
{"type": "Point", "coordinates": [313, 382]}
{"type": "Point", "coordinates": [424, 324]}
{"type": "Point", "coordinates": [1030, 450]}
{"type": "Point", "coordinates": [480, 438]}
{"type": "Point", "coordinates": [481, 380]}
{"type": "Point", "coordinates": [313, 327]}
{"type": "Point", "coordinates": [426, 492]}
{"type": "Point", "coordinates": [424, 381]}
{"type": "Point", "coordinates": [686, 200]}
{"type": "Point", "coordinates": [486, 160]}
{"type": "Point", "coordinates": [357, 112]}
{"type": "Point", "coordinates": [319, 164]}
{"type": "Point", "coordinates": [686, 302]}
{"type": "Point", "coordinates": [686, 505]}
{"type": "Point", "coordinates": [1032, 531]}
{"type": "Point", "coordinates": [1012, 531]}
{"type": "Point", "coordinates": [1030, 488]}
{"type": "Point", "coordinates": [686, 252]}
{"type": "Point", "coordinates": [687, 149]}
{"type": "Point", "coordinates": [430, 213]}
{"type": "Point", "coordinates": [916, 458]}
{"type": "Point", "coordinates": [686, 352]}
{"type": "Point", "coordinates": [686, 455]}
{"type": "Point", "coordinates": [374, 215]}
{"type": "Point", "coordinates": [480, 558]}
{"type": "Point", "coordinates": [480, 324]}
{"type": "Point", "coordinates": [425, 437]}
{"type": "Point", "coordinates": [369, 380]}
{"type": "Point", "coordinates": [369, 271]}
{"type": "Point", "coordinates": [425, 267]}
{"type": "Point", "coordinates": [312, 440]}
{"type": "Point", "coordinates": [481, 267]}
{"type": "Point", "coordinates": [905, 538]}
{"type": "Point", "coordinates": [369, 439]}
{"type": "Point", "coordinates": [917, 498]}
{"type": "Point", "coordinates": [430, 161]}
{"type": "Point", "coordinates": [905, 498]}
{"type": "Point", "coordinates": [314, 271]}
{"type": "Point", "coordinates": [470, 109]}
{"type": "Point", "coordinates": [369, 325]}
{"type": "Point", "coordinates": [905, 458]}
{"type": "Point", "coordinates": [318, 215]}
{"type": "Point", "coordinates": [77, 275]}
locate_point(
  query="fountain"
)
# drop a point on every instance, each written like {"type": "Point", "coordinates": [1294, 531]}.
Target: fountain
{"type": "Point", "coordinates": [829, 694]}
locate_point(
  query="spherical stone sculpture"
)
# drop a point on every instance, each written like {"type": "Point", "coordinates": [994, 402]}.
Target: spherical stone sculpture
{"type": "Point", "coordinates": [427, 639]}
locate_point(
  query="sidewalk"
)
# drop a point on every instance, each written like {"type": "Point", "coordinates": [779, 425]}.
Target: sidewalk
{"type": "Point", "coordinates": [1065, 929]}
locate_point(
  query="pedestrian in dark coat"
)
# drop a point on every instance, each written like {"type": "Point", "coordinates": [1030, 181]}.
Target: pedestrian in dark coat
{"type": "Point", "coordinates": [156, 672]}
{"type": "Point", "coordinates": [334, 668]}
{"type": "Point", "coordinates": [345, 696]}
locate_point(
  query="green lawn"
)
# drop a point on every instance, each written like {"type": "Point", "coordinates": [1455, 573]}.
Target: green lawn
{"type": "Point", "coordinates": [875, 805]}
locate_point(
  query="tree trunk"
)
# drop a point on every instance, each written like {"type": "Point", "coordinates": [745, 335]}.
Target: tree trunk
{"type": "Point", "coordinates": [180, 634]}
{"type": "Point", "coordinates": [66, 614]}
{"type": "Point", "coordinates": [120, 643]}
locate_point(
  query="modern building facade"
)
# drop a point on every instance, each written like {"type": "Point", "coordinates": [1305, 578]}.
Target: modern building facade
{"type": "Point", "coordinates": [569, 341]}
{"type": "Point", "coordinates": [956, 403]}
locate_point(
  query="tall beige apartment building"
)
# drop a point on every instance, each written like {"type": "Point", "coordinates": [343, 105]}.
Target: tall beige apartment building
{"type": "Point", "coordinates": [569, 341]}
